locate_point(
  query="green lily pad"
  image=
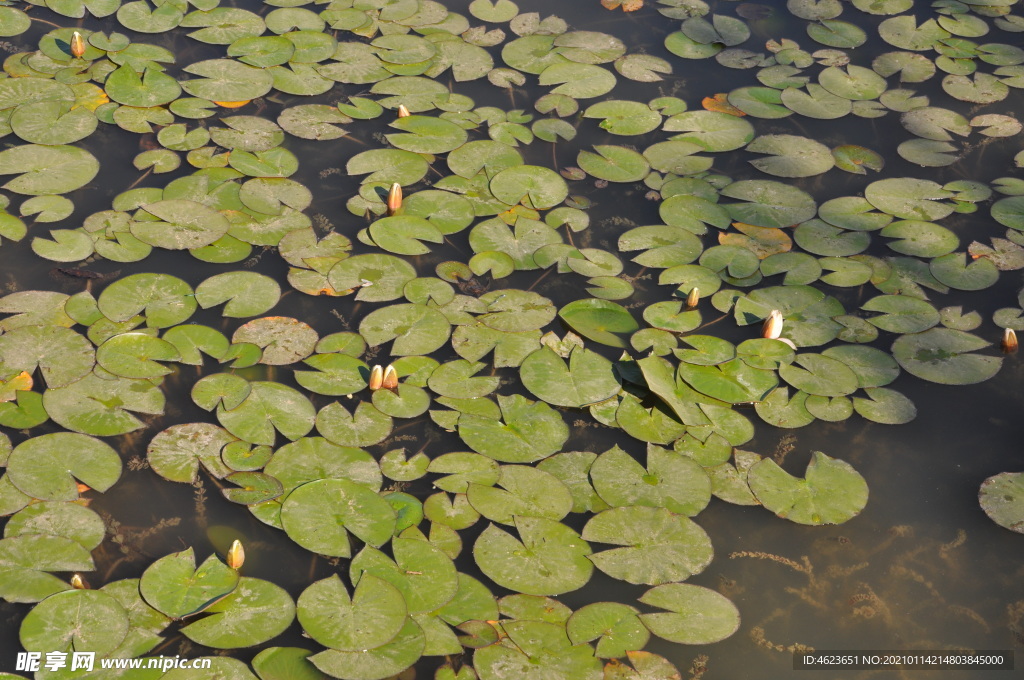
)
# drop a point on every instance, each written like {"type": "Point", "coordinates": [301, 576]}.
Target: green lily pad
{"type": "Point", "coordinates": [286, 663]}
{"type": "Point", "coordinates": [943, 355]}
{"type": "Point", "coordinates": [535, 186]}
{"type": "Point", "coordinates": [885, 406]}
{"type": "Point", "coordinates": [252, 487]}
{"type": "Point", "coordinates": [377, 663]}
{"type": "Point", "coordinates": [531, 431]}
{"type": "Point", "coordinates": [524, 492]}
{"type": "Point", "coordinates": [152, 87]}
{"type": "Point", "coordinates": [62, 355]}
{"type": "Point", "coordinates": [226, 80]}
{"type": "Point", "coordinates": [135, 355]}
{"type": "Point", "coordinates": [283, 340]}
{"type": "Point", "coordinates": [257, 611]}
{"type": "Point", "coordinates": [25, 559]}
{"type": "Point", "coordinates": [415, 329]}
{"type": "Point", "coordinates": [335, 374]}
{"type": "Point", "coordinates": [616, 627]}
{"type": "Point", "coordinates": [103, 406]}
{"type": "Point", "coordinates": [614, 164]}
{"type": "Point", "coordinates": [733, 381]}
{"type": "Point", "coordinates": [312, 458]}
{"type": "Point", "coordinates": [386, 274]}
{"type": "Point", "coordinates": [177, 452]}
{"type": "Point", "coordinates": [424, 134]}
{"type": "Point", "coordinates": [166, 300]}
{"type": "Point", "coordinates": [661, 547]}
{"type": "Point", "coordinates": [456, 379]}
{"type": "Point", "coordinates": [769, 203]}
{"type": "Point", "coordinates": [371, 617]}
{"type": "Point", "coordinates": [55, 518]}
{"type": "Point", "coordinates": [909, 199]}
{"type": "Point", "coordinates": [421, 571]}
{"type": "Point", "coordinates": [1000, 498]}
{"type": "Point", "coordinates": [620, 117]}
{"type": "Point", "coordinates": [47, 466]}
{"type": "Point", "coordinates": [579, 81]}
{"type": "Point", "coordinates": [695, 616]}
{"type": "Point", "coordinates": [246, 293]}
{"type": "Point", "coordinates": [599, 320]}
{"type": "Point", "coordinates": [549, 559]}
{"type": "Point", "coordinates": [52, 122]}
{"type": "Point", "coordinates": [268, 408]}
{"type": "Point", "coordinates": [588, 379]}
{"type": "Point", "coordinates": [83, 620]}
{"type": "Point", "coordinates": [711, 130]}
{"type": "Point", "coordinates": [44, 170]}
{"type": "Point", "coordinates": [791, 156]}
{"type": "Point", "coordinates": [670, 481]}
{"type": "Point", "coordinates": [831, 492]}
{"type": "Point", "coordinates": [175, 587]}
{"type": "Point", "coordinates": [362, 427]}
{"type": "Point", "coordinates": [353, 508]}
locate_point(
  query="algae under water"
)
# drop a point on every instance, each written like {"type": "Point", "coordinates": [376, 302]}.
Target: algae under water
{"type": "Point", "coordinates": [593, 464]}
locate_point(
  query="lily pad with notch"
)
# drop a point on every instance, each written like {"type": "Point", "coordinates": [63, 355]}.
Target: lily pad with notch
{"type": "Point", "coordinates": [175, 587]}
{"type": "Point", "coordinates": [670, 481]}
{"type": "Point", "coordinates": [831, 492]}
{"type": "Point", "coordinates": [661, 547]}
{"type": "Point", "coordinates": [549, 559]}
{"type": "Point", "coordinates": [351, 507]}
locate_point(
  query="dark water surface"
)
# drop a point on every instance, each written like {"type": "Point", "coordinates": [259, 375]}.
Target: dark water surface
{"type": "Point", "coordinates": [921, 568]}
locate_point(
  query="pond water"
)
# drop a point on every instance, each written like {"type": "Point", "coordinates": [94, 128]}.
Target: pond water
{"type": "Point", "coordinates": [919, 567]}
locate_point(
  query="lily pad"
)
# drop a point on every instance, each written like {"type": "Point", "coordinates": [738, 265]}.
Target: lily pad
{"type": "Point", "coordinates": [47, 466]}
{"type": "Point", "coordinates": [351, 507]}
{"type": "Point", "coordinates": [1000, 498]}
{"type": "Point", "coordinates": [531, 431]}
{"type": "Point", "coordinates": [83, 620]}
{"type": "Point", "coordinates": [371, 617]}
{"type": "Point", "coordinates": [257, 611]}
{"type": "Point", "coordinates": [670, 481]}
{"type": "Point", "coordinates": [103, 406]}
{"type": "Point", "coordinates": [588, 378]}
{"type": "Point", "coordinates": [662, 547]}
{"type": "Point", "coordinates": [549, 559]}
{"type": "Point", "coordinates": [695, 616]}
{"type": "Point", "coordinates": [831, 492]}
{"type": "Point", "coordinates": [943, 355]}
{"type": "Point", "coordinates": [175, 587]}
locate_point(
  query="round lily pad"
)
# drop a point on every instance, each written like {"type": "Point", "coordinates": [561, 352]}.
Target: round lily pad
{"type": "Point", "coordinates": [831, 492]}
{"type": "Point", "coordinates": [695, 615]}
{"type": "Point", "coordinates": [549, 559]}
{"type": "Point", "coordinates": [1000, 498]}
{"type": "Point", "coordinates": [944, 355]}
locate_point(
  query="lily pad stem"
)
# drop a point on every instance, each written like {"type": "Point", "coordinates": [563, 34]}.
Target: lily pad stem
{"type": "Point", "coordinates": [540, 278]}
{"type": "Point", "coordinates": [44, 21]}
{"type": "Point", "coordinates": [144, 176]}
{"type": "Point", "coordinates": [712, 323]}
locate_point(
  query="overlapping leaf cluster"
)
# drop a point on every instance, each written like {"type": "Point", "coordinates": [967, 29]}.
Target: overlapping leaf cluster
{"type": "Point", "coordinates": [501, 366]}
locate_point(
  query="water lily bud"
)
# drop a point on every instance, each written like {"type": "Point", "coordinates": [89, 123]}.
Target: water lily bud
{"type": "Point", "coordinates": [236, 555]}
{"type": "Point", "coordinates": [390, 378]}
{"type": "Point", "coordinates": [78, 583]}
{"type": "Point", "coordinates": [403, 112]}
{"type": "Point", "coordinates": [394, 198]}
{"type": "Point", "coordinates": [376, 378]}
{"type": "Point", "coordinates": [772, 325]}
{"type": "Point", "coordinates": [77, 45]}
{"type": "Point", "coordinates": [693, 298]}
{"type": "Point", "coordinates": [1009, 341]}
